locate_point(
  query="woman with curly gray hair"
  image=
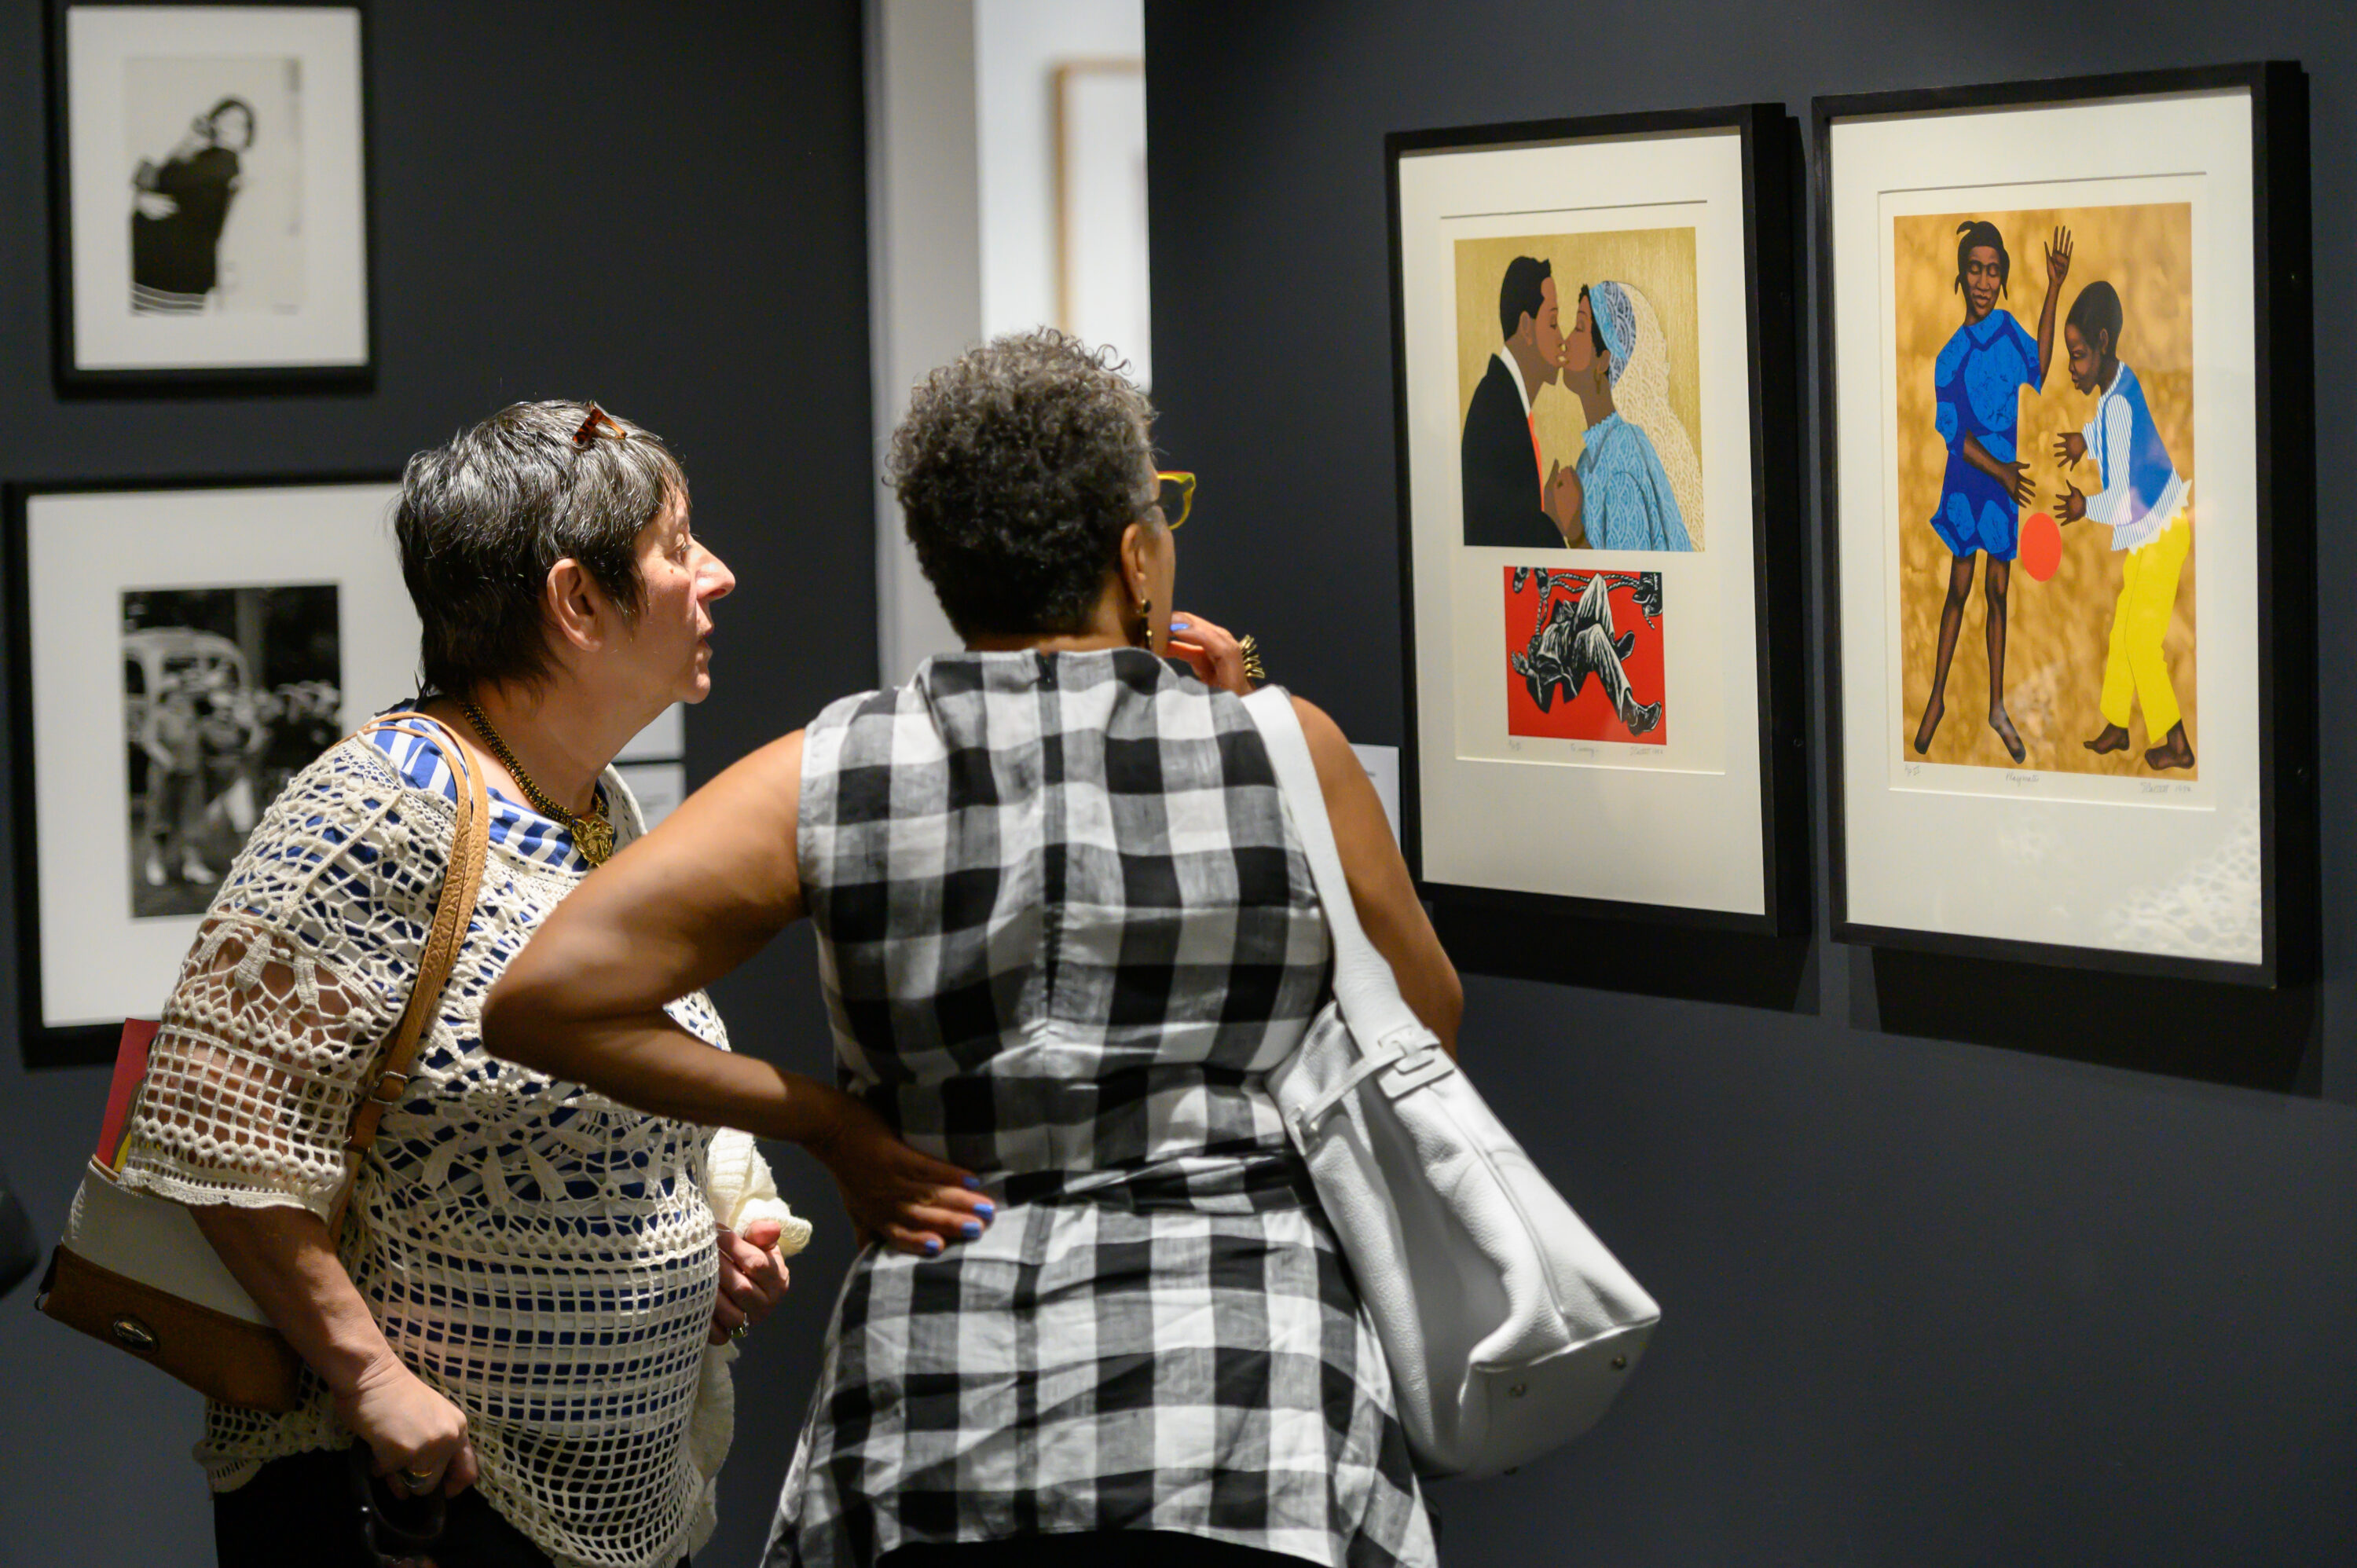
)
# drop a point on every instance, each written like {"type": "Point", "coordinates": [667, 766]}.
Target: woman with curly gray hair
{"type": "Point", "coordinates": [1065, 929]}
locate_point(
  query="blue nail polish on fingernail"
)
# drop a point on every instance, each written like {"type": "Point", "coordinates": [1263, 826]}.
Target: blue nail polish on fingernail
{"type": "Point", "coordinates": [933, 1245]}
{"type": "Point", "coordinates": [973, 1228]}
{"type": "Point", "coordinates": [988, 1210]}
{"type": "Point", "coordinates": [1182, 626]}
{"type": "Point", "coordinates": [973, 1183]}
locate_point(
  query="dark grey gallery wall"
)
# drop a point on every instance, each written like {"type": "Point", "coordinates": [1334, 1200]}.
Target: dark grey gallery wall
{"type": "Point", "coordinates": [662, 207]}
{"type": "Point", "coordinates": [1927, 1303]}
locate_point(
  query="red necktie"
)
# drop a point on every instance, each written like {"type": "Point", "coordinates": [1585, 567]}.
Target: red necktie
{"type": "Point", "coordinates": [1538, 459]}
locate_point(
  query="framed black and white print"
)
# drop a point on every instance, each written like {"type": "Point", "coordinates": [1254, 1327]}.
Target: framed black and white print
{"type": "Point", "coordinates": [210, 185]}
{"type": "Point", "coordinates": [1598, 403]}
{"type": "Point", "coordinates": [177, 655]}
{"type": "Point", "coordinates": [2070, 478]}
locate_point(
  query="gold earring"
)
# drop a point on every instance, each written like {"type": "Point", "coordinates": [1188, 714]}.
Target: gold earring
{"type": "Point", "coordinates": [1144, 622]}
{"type": "Point", "coordinates": [1598, 373]}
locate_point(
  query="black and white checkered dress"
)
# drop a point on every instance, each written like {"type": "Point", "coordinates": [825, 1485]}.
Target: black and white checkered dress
{"type": "Point", "coordinates": [1064, 929]}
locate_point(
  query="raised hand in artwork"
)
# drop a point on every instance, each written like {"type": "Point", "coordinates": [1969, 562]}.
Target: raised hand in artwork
{"type": "Point", "coordinates": [2071, 504]}
{"type": "Point", "coordinates": [2058, 258]}
{"type": "Point", "coordinates": [2057, 267]}
{"type": "Point", "coordinates": [2069, 447]}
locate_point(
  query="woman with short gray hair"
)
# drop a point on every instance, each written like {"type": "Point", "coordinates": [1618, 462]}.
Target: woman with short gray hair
{"type": "Point", "coordinates": [529, 1310]}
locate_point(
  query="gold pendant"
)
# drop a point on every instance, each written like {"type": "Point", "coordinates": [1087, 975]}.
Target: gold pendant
{"type": "Point", "coordinates": [595, 838]}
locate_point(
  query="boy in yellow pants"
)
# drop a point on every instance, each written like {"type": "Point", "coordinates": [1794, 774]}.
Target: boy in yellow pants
{"type": "Point", "coordinates": [2149, 508]}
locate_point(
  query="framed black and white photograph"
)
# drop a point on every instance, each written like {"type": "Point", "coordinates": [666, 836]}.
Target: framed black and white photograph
{"type": "Point", "coordinates": [1598, 401]}
{"type": "Point", "coordinates": [177, 655]}
{"type": "Point", "coordinates": [2069, 432]}
{"type": "Point", "coordinates": [210, 194]}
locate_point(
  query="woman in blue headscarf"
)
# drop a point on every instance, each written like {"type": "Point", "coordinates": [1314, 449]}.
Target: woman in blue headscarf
{"type": "Point", "coordinates": [1628, 500]}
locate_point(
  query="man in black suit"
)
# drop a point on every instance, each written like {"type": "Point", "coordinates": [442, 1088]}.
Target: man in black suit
{"type": "Point", "coordinates": [1507, 501]}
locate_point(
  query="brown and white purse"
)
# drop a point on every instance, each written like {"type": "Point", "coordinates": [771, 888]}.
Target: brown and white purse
{"type": "Point", "coordinates": [134, 1271]}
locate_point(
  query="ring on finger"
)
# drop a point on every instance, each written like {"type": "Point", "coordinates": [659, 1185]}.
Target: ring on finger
{"type": "Point", "coordinates": [418, 1482]}
{"type": "Point", "coordinates": [1249, 648]}
{"type": "Point", "coordinates": [740, 1331]}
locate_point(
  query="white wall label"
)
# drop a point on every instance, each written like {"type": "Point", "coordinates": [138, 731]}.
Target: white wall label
{"type": "Point", "coordinates": [1381, 763]}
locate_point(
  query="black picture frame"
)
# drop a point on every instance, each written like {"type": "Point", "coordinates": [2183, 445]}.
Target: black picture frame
{"type": "Point", "coordinates": [2286, 542]}
{"type": "Point", "coordinates": [75, 378]}
{"type": "Point", "coordinates": [1599, 941]}
{"type": "Point", "coordinates": [378, 589]}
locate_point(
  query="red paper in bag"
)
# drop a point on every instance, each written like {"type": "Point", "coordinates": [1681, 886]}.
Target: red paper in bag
{"type": "Point", "coordinates": [130, 1071]}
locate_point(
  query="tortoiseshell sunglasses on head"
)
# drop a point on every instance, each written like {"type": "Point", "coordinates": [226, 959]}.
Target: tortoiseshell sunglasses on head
{"type": "Point", "coordinates": [592, 420]}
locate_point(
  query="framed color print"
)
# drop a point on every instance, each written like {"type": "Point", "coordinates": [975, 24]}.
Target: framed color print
{"type": "Point", "coordinates": [177, 654]}
{"type": "Point", "coordinates": [2069, 493]}
{"type": "Point", "coordinates": [209, 194]}
{"type": "Point", "coordinates": [1598, 406]}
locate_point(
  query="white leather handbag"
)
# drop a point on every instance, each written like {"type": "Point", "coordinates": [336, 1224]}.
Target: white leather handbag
{"type": "Point", "coordinates": [1507, 1326]}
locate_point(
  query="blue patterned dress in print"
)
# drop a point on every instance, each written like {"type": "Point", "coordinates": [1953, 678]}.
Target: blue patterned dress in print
{"type": "Point", "coordinates": [1977, 380]}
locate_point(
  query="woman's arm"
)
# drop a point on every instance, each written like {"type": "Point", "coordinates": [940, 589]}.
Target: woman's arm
{"type": "Point", "coordinates": [283, 1259]}
{"type": "Point", "coordinates": [583, 1001]}
{"type": "Point", "coordinates": [1380, 886]}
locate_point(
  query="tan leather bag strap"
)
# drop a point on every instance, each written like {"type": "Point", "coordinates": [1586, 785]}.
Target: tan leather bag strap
{"type": "Point", "coordinates": [454, 911]}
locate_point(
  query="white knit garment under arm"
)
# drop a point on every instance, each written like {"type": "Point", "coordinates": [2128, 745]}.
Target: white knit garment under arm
{"type": "Point", "coordinates": [540, 1254]}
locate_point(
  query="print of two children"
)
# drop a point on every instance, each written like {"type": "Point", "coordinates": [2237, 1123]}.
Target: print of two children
{"type": "Point", "coordinates": [1977, 377]}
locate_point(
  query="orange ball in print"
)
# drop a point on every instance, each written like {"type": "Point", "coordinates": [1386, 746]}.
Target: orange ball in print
{"type": "Point", "coordinates": [2042, 546]}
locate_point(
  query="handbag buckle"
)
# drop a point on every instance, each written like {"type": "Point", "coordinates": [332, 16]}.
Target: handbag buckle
{"type": "Point", "coordinates": [387, 1093]}
{"type": "Point", "coordinates": [1415, 1069]}
{"type": "Point", "coordinates": [133, 1334]}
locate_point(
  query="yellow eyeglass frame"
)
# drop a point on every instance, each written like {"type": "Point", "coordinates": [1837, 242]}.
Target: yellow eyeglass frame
{"type": "Point", "coordinates": [1186, 483]}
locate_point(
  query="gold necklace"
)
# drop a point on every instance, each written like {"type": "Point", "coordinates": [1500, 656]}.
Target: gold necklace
{"type": "Point", "coordinates": [592, 834]}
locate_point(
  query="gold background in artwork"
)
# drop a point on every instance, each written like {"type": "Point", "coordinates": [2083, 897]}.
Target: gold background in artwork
{"type": "Point", "coordinates": [2059, 631]}
{"type": "Point", "coordinates": [1660, 263]}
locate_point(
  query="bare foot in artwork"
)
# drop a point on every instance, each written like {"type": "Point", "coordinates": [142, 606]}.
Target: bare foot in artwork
{"type": "Point", "coordinates": [2003, 725]}
{"type": "Point", "coordinates": [1933, 711]}
{"type": "Point", "coordinates": [2175, 752]}
{"type": "Point", "coordinates": [2114, 738]}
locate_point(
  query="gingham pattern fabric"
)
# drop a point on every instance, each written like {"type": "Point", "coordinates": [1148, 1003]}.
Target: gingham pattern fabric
{"type": "Point", "coordinates": [1064, 930]}
{"type": "Point", "coordinates": [541, 1255]}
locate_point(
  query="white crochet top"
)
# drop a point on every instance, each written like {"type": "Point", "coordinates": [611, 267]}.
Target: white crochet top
{"type": "Point", "coordinates": [541, 1255]}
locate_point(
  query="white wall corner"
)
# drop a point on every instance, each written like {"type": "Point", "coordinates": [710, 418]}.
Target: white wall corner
{"type": "Point", "coordinates": [924, 250]}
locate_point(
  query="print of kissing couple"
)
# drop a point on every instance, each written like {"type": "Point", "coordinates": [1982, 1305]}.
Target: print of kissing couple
{"type": "Point", "coordinates": [1636, 482]}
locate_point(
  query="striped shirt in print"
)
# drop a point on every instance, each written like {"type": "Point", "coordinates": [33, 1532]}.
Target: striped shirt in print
{"type": "Point", "coordinates": [1065, 928]}
{"type": "Point", "coordinates": [146, 301]}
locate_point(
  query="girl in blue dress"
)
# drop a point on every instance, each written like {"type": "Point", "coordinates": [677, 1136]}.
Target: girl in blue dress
{"type": "Point", "coordinates": [1977, 383]}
